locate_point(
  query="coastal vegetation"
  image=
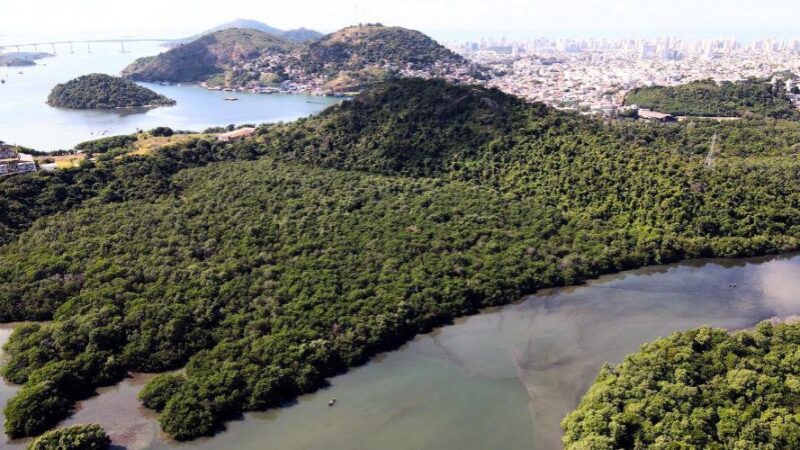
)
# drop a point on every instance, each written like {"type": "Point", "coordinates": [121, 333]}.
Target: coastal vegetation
{"type": "Point", "coordinates": [747, 98]}
{"type": "Point", "coordinates": [76, 437]}
{"type": "Point", "coordinates": [265, 265]}
{"type": "Point", "coordinates": [100, 91]}
{"type": "Point", "coordinates": [704, 388]}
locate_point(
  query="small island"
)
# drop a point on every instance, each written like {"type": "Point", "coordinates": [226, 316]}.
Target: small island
{"type": "Point", "coordinates": [99, 91]}
{"type": "Point", "coordinates": [21, 59]}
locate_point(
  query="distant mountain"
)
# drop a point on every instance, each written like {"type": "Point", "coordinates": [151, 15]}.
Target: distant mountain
{"type": "Point", "coordinates": [296, 35]}
{"type": "Point", "coordinates": [348, 59]}
{"type": "Point", "coordinates": [207, 56]}
{"type": "Point", "coordinates": [99, 91]}
{"type": "Point", "coordinates": [244, 23]}
{"type": "Point", "coordinates": [301, 35]}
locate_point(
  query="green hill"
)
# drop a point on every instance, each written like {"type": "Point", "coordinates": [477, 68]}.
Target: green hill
{"type": "Point", "coordinates": [207, 56]}
{"type": "Point", "coordinates": [755, 97]}
{"type": "Point", "coordinates": [354, 48]}
{"type": "Point", "coordinates": [99, 91]}
{"type": "Point", "coordinates": [266, 265]}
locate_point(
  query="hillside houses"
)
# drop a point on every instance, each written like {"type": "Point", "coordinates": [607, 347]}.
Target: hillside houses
{"type": "Point", "coordinates": [13, 162]}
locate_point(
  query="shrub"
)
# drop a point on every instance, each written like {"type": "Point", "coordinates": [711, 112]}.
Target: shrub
{"type": "Point", "coordinates": [160, 389]}
{"type": "Point", "coordinates": [76, 437]}
{"type": "Point", "coordinates": [35, 408]}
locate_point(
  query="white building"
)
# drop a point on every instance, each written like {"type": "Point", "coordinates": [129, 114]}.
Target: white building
{"type": "Point", "coordinates": [12, 162]}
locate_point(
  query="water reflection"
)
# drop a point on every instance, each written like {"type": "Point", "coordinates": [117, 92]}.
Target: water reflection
{"type": "Point", "coordinates": [501, 379]}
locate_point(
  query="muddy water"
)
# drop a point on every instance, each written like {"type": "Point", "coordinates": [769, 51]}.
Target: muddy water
{"type": "Point", "coordinates": [501, 379]}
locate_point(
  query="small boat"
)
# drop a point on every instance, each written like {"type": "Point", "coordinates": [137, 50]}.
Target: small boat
{"type": "Point", "coordinates": [332, 402]}
{"type": "Point", "coordinates": [3, 81]}
{"type": "Point", "coordinates": [231, 99]}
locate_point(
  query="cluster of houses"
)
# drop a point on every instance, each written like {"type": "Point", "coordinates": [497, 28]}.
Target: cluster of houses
{"type": "Point", "coordinates": [13, 162]}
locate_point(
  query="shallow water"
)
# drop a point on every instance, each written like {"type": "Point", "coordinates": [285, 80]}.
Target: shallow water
{"type": "Point", "coordinates": [25, 118]}
{"type": "Point", "coordinates": [502, 379]}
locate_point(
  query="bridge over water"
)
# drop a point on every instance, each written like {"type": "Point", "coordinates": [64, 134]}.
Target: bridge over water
{"type": "Point", "coordinates": [55, 47]}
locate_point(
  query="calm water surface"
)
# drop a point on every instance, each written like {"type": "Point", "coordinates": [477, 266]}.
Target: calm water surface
{"type": "Point", "coordinates": [499, 380]}
{"type": "Point", "coordinates": [25, 118]}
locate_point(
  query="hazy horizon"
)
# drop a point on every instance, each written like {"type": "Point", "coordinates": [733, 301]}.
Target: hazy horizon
{"type": "Point", "coordinates": [445, 20]}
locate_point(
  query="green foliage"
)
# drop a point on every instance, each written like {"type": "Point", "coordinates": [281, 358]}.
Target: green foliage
{"type": "Point", "coordinates": [76, 437]}
{"type": "Point", "coordinates": [703, 388]}
{"type": "Point", "coordinates": [34, 409]}
{"type": "Point", "coordinates": [105, 144]}
{"type": "Point", "coordinates": [268, 264]}
{"type": "Point", "coordinates": [162, 131]}
{"type": "Point", "coordinates": [99, 91]}
{"type": "Point", "coordinates": [23, 199]}
{"type": "Point", "coordinates": [160, 389]}
{"type": "Point", "coordinates": [754, 97]}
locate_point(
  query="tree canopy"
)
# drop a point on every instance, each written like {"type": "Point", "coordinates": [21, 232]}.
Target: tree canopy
{"type": "Point", "coordinates": [705, 388]}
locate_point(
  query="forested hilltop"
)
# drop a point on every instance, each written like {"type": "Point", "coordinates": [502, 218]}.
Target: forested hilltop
{"type": "Point", "coordinates": [351, 58]}
{"type": "Point", "coordinates": [266, 265]}
{"type": "Point", "coordinates": [749, 98]}
{"type": "Point", "coordinates": [100, 91]}
{"type": "Point", "coordinates": [704, 388]}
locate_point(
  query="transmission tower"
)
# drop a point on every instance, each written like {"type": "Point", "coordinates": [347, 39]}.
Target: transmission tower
{"type": "Point", "coordinates": [712, 153]}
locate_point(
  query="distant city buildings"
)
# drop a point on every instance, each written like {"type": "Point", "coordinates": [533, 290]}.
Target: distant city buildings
{"type": "Point", "coordinates": [593, 75]}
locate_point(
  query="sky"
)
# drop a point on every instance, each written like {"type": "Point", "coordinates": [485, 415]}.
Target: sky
{"type": "Point", "coordinates": [442, 19]}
